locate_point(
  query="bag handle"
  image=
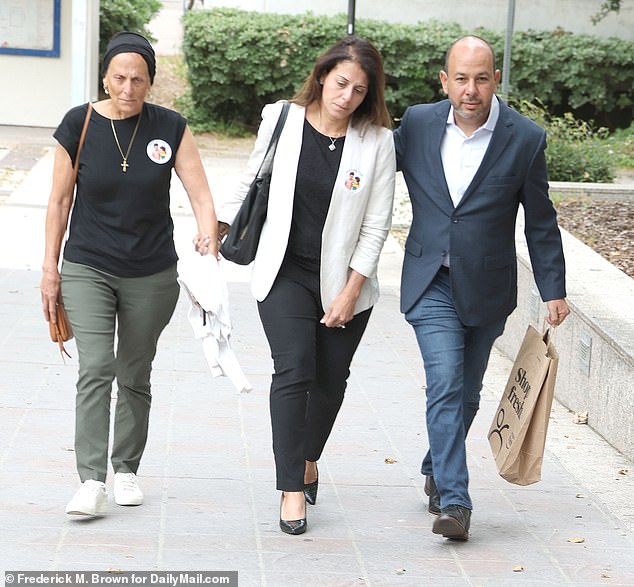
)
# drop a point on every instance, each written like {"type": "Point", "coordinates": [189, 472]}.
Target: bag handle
{"type": "Point", "coordinates": [60, 338]}
{"type": "Point", "coordinates": [82, 138]}
{"type": "Point", "coordinates": [548, 332]}
{"type": "Point", "coordinates": [267, 162]}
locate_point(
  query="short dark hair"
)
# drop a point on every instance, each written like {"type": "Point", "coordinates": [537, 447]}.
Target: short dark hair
{"type": "Point", "coordinates": [373, 109]}
{"type": "Point", "coordinates": [448, 53]}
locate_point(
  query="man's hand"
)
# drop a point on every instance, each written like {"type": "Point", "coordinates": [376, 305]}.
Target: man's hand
{"type": "Point", "coordinates": [557, 312]}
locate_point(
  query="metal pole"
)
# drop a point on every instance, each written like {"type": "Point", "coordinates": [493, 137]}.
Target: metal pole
{"type": "Point", "coordinates": [506, 64]}
{"type": "Point", "coordinates": [351, 6]}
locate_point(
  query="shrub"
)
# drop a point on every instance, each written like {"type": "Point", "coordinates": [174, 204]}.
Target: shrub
{"type": "Point", "coordinates": [122, 15]}
{"type": "Point", "coordinates": [576, 151]}
{"type": "Point", "coordinates": [621, 145]}
{"type": "Point", "coordinates": [238, 61]}
{"type": "Point", "coordinates": [592, 77]}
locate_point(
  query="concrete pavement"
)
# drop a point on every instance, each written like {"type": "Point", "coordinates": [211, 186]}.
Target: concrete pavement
{"type": "Point", "coordinates": [208, 471]}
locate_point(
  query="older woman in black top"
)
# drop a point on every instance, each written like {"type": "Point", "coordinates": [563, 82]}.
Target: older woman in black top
{"type": "Point", "coordinates": [314, 275]}
{"type": "Point", "coordinates": [118, 276]}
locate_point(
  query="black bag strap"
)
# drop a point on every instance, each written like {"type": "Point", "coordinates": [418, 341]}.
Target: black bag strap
{"type": "Point", "coordinates": [267, 162]}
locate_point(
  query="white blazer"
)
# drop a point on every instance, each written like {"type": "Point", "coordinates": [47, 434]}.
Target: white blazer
{"type": "Point", "coordinates": [358, 219]}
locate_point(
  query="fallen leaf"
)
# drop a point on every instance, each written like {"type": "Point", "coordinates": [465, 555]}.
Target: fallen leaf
{"type": "Point", "coordinates": [111, 570]}
{"type": "Point", "coordinates": [576, 539]}
{"type": "Point", "coordinates": [605, 576]}
{"type": "Point", "coordinates": [390, 461]}
{"type": "Point", "coordinates": [623, 471]}
{"type": "Point", "coordinates": [518, 569]}
{"type": "Point", "coordinates": [580, 496]}
{"type": "Point", "coordinates": [580, 418]}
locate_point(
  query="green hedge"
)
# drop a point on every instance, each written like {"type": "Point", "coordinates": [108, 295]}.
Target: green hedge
{"type": "Point", "coordinates": [238, 61]}
{"type": "Point", "coordinates": [576, 151]}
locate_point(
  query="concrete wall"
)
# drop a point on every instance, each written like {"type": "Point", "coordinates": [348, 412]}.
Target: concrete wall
{"type": "Point", "coordinates": [37, 91]}
{"type": "Point", "coordinates": [595, 343]}
{"type": "Point", "coordinates": [570, 15]}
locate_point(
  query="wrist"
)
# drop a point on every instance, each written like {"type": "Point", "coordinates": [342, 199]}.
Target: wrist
{"type": "Point", "coordinates": [50, 267]}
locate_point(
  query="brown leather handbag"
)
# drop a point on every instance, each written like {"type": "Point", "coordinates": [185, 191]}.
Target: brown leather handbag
{"type": "Point", "coordinates": [61, 330]}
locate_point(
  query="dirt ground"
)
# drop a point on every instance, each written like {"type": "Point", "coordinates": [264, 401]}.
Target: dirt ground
{"type": "Point", "coordinates": [605, 225]}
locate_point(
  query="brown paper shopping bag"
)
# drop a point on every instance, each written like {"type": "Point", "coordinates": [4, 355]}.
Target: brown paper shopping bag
{"type": "Point", "coordinates": [517, 435]}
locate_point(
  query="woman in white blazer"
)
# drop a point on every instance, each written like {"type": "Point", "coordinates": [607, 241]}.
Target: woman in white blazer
{"type": "Point", "coordinates": [314, 274]}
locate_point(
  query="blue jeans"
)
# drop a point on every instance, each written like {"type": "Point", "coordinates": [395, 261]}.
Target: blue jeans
{"type": "Point", "coordinates": [455, 358]}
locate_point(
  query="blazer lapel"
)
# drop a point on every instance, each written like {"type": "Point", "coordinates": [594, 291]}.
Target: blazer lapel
{"type": "Point", "coordinates": [499, 140]}
{"type": "Point", "coordinates": [436, 133]}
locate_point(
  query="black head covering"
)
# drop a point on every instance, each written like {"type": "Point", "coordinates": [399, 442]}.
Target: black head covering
{"type": "Point", "coordinates": [127, 42]}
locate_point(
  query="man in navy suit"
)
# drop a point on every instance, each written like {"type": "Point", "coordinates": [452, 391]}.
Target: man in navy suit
{"type": "Point", "coordinates": [469, 162]}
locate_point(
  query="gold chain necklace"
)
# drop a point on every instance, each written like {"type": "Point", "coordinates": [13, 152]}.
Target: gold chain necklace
{"type": "Point", "coordinates": [125, 164]}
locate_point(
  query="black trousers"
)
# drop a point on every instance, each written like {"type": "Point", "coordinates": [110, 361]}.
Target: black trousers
{"type": "Point", "coordinates": [311, 366]}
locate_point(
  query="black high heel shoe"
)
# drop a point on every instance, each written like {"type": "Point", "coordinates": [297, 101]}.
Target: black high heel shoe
{"type": "Point", "coordinates": [310, 490]}
{"type": "Point", "coordinates": [292, 526]}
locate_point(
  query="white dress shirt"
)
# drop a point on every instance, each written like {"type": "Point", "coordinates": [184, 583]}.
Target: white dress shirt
{"type": "Point", "coordinates": [462, 154]}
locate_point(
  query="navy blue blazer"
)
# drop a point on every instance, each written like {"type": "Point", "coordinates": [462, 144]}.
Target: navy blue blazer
{"type": "Point", "coordinates": [479, 233]}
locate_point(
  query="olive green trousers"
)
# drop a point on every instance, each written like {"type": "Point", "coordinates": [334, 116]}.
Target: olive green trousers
{"type": "Point", "coordinates": [117, 322]}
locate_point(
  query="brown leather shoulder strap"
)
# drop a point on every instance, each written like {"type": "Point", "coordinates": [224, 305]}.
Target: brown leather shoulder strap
{"type": "Point", "coordinates": [82, 137]}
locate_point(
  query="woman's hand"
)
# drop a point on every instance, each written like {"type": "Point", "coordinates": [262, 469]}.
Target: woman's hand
{"type": "Point", "coordinates": [49, 289]}
{"type": "Point", "coordinates": [340, 311]}
{"type": "Point", "coordinates": [342, 308]}
{"type": "Point", "coordinates": [205, 245]}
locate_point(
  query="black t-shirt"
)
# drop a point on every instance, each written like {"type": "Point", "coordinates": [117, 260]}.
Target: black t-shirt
{"type": "Point", "coordinates": [316, 175]}
{"type": "Point", "coordinates": [121, 223]}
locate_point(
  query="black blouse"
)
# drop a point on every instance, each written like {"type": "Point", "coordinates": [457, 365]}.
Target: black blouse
{"type": "Point", "coordinates": [121, 222]}
{"type": "Point", "coordinates": [316, 175]}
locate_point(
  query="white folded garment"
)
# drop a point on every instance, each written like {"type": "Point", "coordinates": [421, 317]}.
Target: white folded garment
{"type": "Point", "coordinates": [201, 277]}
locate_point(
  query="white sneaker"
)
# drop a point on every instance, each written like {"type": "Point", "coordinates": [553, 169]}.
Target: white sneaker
{"type": "Point", "coordinates": [91, 499]}
{"type": "Point", "coordinates": [126, 489]}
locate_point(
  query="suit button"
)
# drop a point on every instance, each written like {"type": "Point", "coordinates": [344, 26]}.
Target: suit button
{"type": "Point", "coordinates": [454, 220]}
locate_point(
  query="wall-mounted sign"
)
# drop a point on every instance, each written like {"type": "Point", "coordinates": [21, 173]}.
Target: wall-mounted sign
{"type": "Point", "coordinates": [29, 27]}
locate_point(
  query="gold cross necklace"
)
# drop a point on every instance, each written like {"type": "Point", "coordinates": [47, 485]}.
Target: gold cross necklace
{"type": "Point", "coordinates": [124, 163]}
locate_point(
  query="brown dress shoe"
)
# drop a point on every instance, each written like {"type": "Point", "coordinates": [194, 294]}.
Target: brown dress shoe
{"type": "Point", "coordinates": [434, 496]}
{"type": "Point", "coordinates": [453, 522]}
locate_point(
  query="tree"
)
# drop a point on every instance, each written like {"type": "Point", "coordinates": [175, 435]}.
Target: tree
{"type": "Point", "coordinates": [606, 7]}
{"type": "Point", "coordinates": [116, 16]}
{"type": "Point", "coordinates": [122, 15]}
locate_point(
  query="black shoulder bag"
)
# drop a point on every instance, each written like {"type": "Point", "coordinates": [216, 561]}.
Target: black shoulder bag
{"type": "Point", "coordinates": [241, 243]}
